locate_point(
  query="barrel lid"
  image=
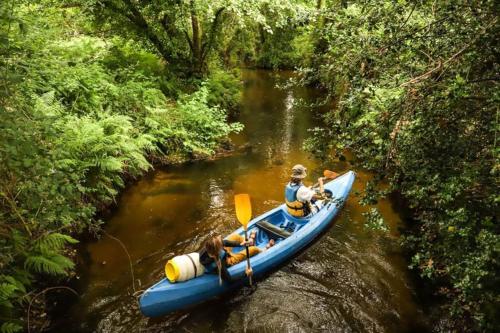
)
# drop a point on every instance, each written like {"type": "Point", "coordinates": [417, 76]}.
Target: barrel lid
{"type": "Point", "coordinates": [172, 271]}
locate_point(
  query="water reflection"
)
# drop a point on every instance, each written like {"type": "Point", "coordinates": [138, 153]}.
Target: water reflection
{"type": "Point", "coordinates": [216, 195]}
{"type": "Point", "coordinates": [288, 123]}
{"type": "Point", "coordinates": [350, 280]}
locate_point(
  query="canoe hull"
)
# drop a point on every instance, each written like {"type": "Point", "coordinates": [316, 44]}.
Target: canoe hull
{"type": "Point", "coordinates": [165, 297]}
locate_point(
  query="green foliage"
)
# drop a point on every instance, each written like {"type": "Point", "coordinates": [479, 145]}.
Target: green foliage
{"type": "Point", "coordinates": [10, 327]}
{"type": "Point", "coordinates": [203, 124]}
{"type": "Point", "coordinates": [374, 220]}
{"type": "Point", "coordinates": [286, 47]}
{"type": "Point", "coordinates": [78, 115]}
{"type": "Point", "coordinates": [282, 39]}
{"type": "Point", "coordinates": [186, 34]}
{"type": "Point", "coordinates": [224, 90]}
{"type": "Point", "coordinates": [416, 89]}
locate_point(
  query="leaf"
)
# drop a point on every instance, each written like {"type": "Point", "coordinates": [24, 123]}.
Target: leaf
{"type": "Point", "coordinates": [7, 290]}
{"type": "Point", "coordinates": [53, 264]}
{"type": "Point", "coordinates": [10, 327]}
{"type": "Point", "coordinates": [54, 241]}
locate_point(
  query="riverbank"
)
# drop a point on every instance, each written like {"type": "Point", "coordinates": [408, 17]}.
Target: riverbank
{"type": "Point", "coordinates": [88, 116]}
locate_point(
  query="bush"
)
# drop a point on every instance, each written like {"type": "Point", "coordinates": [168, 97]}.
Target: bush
{"type": "Point", "coordinates": [224, 90]}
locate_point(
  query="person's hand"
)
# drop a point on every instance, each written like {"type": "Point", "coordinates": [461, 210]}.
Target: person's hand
{"type": "Point", "coordinates": [248, 271]}
{"type": "Point", "coordinates": [247, 242]}
{"type": "Point", "coordinates": [319, 195]}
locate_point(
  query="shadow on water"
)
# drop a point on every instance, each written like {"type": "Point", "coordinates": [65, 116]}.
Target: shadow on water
{"type": "Point", "coordinates": [350, 280]}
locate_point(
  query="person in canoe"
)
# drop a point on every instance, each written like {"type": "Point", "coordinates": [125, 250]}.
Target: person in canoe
{"type": "Point", "coordinates": [218, 251]}
{"type": "Point", "coordinates": [302, 200]}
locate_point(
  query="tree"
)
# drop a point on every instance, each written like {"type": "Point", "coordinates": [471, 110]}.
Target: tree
{"type": "Point", "coordinates": [186, 32]}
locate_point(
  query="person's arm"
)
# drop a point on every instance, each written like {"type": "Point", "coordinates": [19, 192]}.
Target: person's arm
{"type": "Point", "coordinates": [306, 194]}
{"type": "Point", "coordinates": [205, 259]}
{"type": "Point", "coordinates": [224, 272]}
{"type": "Point", "coordinates": [321, 187]}
{"type": "Point", "coordinates": [230, 243]}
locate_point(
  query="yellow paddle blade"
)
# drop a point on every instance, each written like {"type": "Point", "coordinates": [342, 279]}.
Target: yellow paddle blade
{"type": "Point", "coordinates": [330, 174]}
{"type": "Point", "coordinates": [243, 208]}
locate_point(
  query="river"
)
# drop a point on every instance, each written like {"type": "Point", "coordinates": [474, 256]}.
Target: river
{"type": "Point", "coordinates": [350, 280]}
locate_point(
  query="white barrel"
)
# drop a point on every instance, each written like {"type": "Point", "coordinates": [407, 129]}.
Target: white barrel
{"type": "Point", "coordinates": [184, 267]}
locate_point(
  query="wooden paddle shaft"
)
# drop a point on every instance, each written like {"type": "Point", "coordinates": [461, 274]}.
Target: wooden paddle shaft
{"type": "Point", "coordinates": [317, 183]}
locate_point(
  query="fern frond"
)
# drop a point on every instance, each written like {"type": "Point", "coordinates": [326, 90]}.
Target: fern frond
{"type": "Point", "coordinates": [54, 264]}
{"type": "Point", "coordinates": [10, 327]}
{"type": "Point", "coordinates": [54, 241]}
{"type": "Point", "coordinates": [7, 290]}
{"type": "Point", "coordinates": [110, 164]}
{"type": "Point", "coordinates": [14, 281]}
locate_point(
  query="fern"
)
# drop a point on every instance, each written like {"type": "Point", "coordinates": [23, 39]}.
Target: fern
{"type": "Point", "coordinates": [84, 121]}
{"type": "Point", "coordinates": [54, 242]}
{"type": "Point", "coordinates": [7, 290]}
{"type": "Point", "coordinates": [11, 280]}
{"type": "Point", "coordinates": [10, 327]}
{"type": "Point", "coordinates": [45, 257]}
{"type": "Point", "coordinates": [110, 164]}
{"type": "Point", "coordinates": [53, 264]}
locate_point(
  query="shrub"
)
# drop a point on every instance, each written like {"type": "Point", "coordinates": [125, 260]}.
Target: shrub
{"type": "Point", "coordinates": [224, 90]}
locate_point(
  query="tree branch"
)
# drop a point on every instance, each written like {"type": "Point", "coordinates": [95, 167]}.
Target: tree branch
{"type": "Point", "coordinates": [189, 41]}
{"type": "Point", "coordinates": [13, 207]}
{"type": "Point", "coordinates": [137, 19]}
{"type": "Point", "coordinates": [441, 64]}
{"type": "Point", "coordinates": [208, 45]}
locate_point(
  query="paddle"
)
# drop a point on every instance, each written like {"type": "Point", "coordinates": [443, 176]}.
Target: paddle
{"type": "Point", "coordinates": [330, 174]}
{"type": "Point", "coordinates": [327, 174]}
{"type": "Point", "coordinates": [244, 214]}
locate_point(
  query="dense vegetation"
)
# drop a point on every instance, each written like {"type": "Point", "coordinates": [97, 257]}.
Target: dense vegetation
{"type": "Point", "coordinates": [416, 89]}
{"type": "Point", "coordinates": [92, 92]}
{"type": "Point", "coordinates": [78, 114]}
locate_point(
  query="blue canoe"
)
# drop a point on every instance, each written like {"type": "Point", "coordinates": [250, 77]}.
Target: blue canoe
{"type": "Point", "coordinates": [291, 235]}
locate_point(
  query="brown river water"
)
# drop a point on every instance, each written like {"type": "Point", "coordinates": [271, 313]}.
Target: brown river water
{"type": "Point", "coordinates": [350, 280]}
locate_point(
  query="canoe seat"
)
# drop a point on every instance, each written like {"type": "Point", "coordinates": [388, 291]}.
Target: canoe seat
{"type": "Point", "coordinates": [273, 230]}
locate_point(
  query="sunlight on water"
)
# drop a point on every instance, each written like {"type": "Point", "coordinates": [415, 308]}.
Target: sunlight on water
{"type": "Point", "coordinates": [288, 123]}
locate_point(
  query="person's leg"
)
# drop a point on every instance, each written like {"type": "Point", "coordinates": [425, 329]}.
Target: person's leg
{"type": "Point", "coordinates": [270, 244]}
{"type": "Point", "coordinates": [236, 258]}
{"type": "Point", "coordinates": [239, 238]}
{"type": "Point", "coordinates": [253, 250]}
{"type": "Point", "coordinates": [233, 238]}
{"type": "Point", "coordinates": [236, 238]}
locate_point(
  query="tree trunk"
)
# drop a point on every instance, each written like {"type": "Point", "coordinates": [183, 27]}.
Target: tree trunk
{"type": "Point", "coordinates": [197, 60]}
{"type": "Point", "coordinates": [320, 4]}
{"type": "Point", "coordinates": [320, 44]}
{"type": "Point", "coordinates": [210, 37]}
{"type": "Point", "coordinates": [262, 39]}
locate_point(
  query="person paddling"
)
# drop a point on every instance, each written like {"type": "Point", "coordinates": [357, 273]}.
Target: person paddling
{"type": "Point", "coordinates": [218, 251]}
{"type": "Point", "coordinates": [300, 199]}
